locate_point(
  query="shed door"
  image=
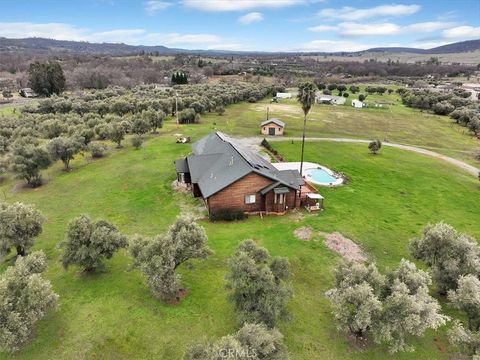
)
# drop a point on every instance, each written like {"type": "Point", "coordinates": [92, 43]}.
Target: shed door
{"type": "Point", "coordinates": [271, 131]}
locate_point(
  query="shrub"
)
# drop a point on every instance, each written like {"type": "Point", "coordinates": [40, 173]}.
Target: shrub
{"type": "Point", "coordinates": [252, 341]}
{"type": "Point", "coordinates": [97, 150]}
{"type": "Point", "coordinates": [186, 116]}
{"type": "Point", "coordinates": [220, 110]}
{"type": "Point", "coordinates": [374, 146]}
{"type": "Point", "coordinates": [137, 142]}
{"type": "Point", "coordinates": [228, 215]}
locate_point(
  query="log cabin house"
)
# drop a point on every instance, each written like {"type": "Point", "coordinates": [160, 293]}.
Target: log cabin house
{"type": "Point", "coordinates": [228, 176]}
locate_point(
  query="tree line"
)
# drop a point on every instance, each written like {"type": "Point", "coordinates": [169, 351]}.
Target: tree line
{"type": "Point", "coordinates": [456, 104]}
{"type": "Point", "coordinates": [60, 127]}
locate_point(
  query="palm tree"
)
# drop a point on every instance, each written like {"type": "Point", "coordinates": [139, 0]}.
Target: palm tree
{"type": "Point", "coordinates": [306, 97]}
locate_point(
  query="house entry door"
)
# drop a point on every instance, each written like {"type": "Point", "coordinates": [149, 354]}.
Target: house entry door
{"type": "Point", "coordinates": [271, 131]}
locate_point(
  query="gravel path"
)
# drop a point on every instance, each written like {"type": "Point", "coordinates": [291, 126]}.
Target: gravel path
{"type": "Point", "coordinates": [460, 164]}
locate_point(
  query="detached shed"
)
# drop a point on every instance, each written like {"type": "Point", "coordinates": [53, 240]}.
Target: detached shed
{"type": "Point", "coordinates": [357, 103]}
{"type": "Point", "coordinates": [281, 95]}
{"type": "Point", "coordinates": [272, 127]}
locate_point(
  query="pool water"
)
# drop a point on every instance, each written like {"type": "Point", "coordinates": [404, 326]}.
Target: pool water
{"type": "Point", "coordinates": [320, 176]}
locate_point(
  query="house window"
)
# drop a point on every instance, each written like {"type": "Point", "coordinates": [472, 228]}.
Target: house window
{"type": "Point", "coordinates": [279, 198]}
{"type": "Point", "coordinates": [250, 199]}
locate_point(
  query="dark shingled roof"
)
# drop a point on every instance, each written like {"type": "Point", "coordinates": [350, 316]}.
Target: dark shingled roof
{"type": "Point", "coordinates": [181, 166]}
{"type": "Point", "coordinates": [273, 120]}
{"type": "Point", "coordinates": [218, 161]}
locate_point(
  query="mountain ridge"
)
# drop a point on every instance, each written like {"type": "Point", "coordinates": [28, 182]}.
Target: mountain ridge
{"type": "Point", "coordinates": [44, 45]}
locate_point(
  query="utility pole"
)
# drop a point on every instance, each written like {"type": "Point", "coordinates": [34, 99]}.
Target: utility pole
{"type": "Point", "coordinates": [176, 106]}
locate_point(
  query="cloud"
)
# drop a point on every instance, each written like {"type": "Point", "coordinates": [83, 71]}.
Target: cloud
{"type": "Point", "coordinates": [188, 39]}
{"type": "Point", "coordinates": [356, 29]}
{"type": "Point", "coordinates": [323, 28]}
{"type": "Point", "coordinates": [57, 31]}
{"type": "Point", "coordinates": [61, 31]}
{"type": "Point", "coordinates": [239, 5]}
{"type": "Point", "coordinates": [462, 32]}
{"type": "Point", "coordinates": [127, 36]}
{"type": "Point", "coordinates": [348, 13]}
{"type": "Point", "coordinates": [250, 18]}
{"type": "Point", "coordinates": [332, 46]}
{"type": "Point", "coordinates": [154, 6]}
{"type": "Point", "coordinates": [429, 26]}
{"type": "Point", "coordinates": [352, 29]}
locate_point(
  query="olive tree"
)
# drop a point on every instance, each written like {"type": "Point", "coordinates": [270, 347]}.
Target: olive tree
{"type": "Point", "coordinates": [140, 126]}
{"type": "Point", "coordinates": [64, 149]}
{"type": "Point", "coordinates": [19, 225]}
{"type": "Point", "coordinates": [256, 282]}
{"type": "Point", "coordinates": [467, 298]}
{"type": "Point", "coordinates": [448, 253]}
{"type": "Point", "coordinates": [392, 307]}
{"type": "Point", "coordinates": [27, 160]}
{"type": "Point", "coordinates": [160, 256]}
{"type": "Point", "coordinates": [116, 133]}
{"type": "Point", "coordinates": [88, 243]}
{"type": "Point", "coordinates": [25, 297]}
{"type": "Point", "coordinates": [252, 341]}
{"type": "Point", "coordinates": [466, 340]}
{"type": "Point", "coordinates": [154, 118]}
{"type": "Point", "coordinates": [355, 298]}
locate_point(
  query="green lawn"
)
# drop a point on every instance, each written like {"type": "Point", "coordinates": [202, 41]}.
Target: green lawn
{"type": "Point", "coordinates": [395, 123]}
{"type": "Point", "coordinates": [111, 315]}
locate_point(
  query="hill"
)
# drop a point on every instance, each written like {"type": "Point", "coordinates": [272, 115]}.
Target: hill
{"type": "Point", "coordinates": [43, 45]}
{"type": "Point", "coordinates": [458, 47]}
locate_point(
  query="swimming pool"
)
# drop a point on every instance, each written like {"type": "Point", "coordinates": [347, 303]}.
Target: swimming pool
{"type": "Point", "coordinates": [313, 173]}
{"type": "Point", "coordinates": [321, 176]}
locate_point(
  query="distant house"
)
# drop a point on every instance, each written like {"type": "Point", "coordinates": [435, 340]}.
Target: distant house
{"type": "Point", "coordinates": [330, 99]}
{"type": "Point", "coordinates": [272, 127]}
{"type": "Point", "coordinates": [357, 103]}
{"type": "Point", "coordinates": [281, 95]}
{"type": "Point", "coordinates": [228, 176]}
{"type": "Point", "coordinates": [28, 93]}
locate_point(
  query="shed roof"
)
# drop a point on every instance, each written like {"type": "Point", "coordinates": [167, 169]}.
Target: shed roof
{"type": "Point", "coordinates": [181, 166]}
{"type": "Point", "coordinates": [218, 161]}
{"type": "Point", "coordinates": [273, 120]}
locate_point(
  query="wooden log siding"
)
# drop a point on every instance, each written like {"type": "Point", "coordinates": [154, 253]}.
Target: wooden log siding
{"type": "Point", "coordinates": [233, 196]}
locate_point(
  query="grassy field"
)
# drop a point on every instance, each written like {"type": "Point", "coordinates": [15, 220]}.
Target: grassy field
{"type": "Point", "coordinates": [395, 123]}
{"type": "Point", "coordinates": [111, 315]}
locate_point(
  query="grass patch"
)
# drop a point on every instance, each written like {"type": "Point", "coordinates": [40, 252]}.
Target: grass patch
{"type": "Point", "coordinates": [389, 199]}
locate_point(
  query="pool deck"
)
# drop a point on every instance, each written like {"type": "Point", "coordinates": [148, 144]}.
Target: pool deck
{"type": "Point", "coordinates": [308, 166]}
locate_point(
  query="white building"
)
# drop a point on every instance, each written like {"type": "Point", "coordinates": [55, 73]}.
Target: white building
{"type": "Point", "coordinates": [357, 103]}
{"type": "Point", "coordinates": [331, 99]}
{"type": "Point", "coordinates": [281, 95]}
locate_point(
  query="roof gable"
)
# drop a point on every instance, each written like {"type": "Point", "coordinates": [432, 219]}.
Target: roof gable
{"type": "Point", "coordinates": [218, 161]}
{"type": "Point", "coordinates": [273, 120]}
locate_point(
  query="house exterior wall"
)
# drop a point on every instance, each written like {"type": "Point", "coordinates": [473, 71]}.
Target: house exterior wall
{"type": "Point", "coordinates": [233, 196]}
{"type": "Point", "coordinates": [278, 129]}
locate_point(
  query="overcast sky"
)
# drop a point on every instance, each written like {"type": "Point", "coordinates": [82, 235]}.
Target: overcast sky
{"type": "Point", "coordinates": [265, 25]}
